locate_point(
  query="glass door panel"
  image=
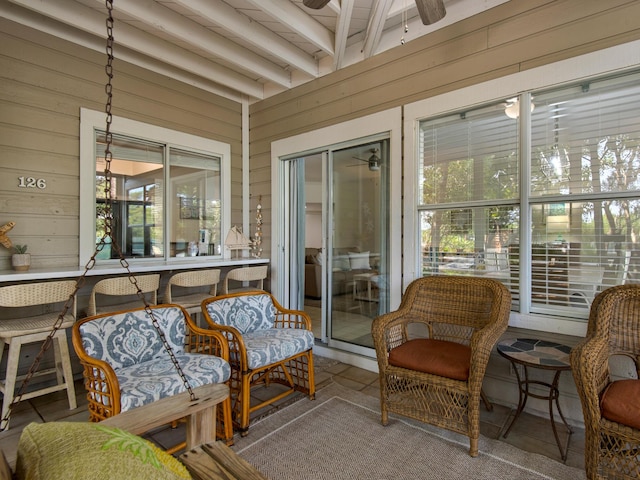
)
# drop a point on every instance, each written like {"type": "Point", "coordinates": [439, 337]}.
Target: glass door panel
{"type": "Point", "coordinates": [358, 240]}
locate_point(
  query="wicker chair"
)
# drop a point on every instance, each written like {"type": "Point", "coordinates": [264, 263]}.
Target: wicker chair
{"type": "Point", "coordinates": [25, 326]}
{"type": "Point", "coordinates": [186, 282]}
{"type": "Point", "coordinates": [612, 440]}
{"type": "Point", "coordinates": [245, 274]}
{"type": "Point", "coordinates": [267, 344]}
{"type": "Point", "coordinates": [123, 287]}
{"type": "Point", "coordinates": [127, 366]}
{"type": "Point", "coordinates": [433, 351]}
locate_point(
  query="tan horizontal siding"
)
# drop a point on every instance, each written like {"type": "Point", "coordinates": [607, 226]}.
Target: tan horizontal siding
{"type": "Point", "coordinates": [512, 37]}
{"type": "Point", "coordinates": [44, 82]}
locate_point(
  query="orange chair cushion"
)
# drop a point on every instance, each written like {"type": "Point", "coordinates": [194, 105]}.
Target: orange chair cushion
{"type": "Point", "coordinates": [438, 357]}
{"type": "Point", "coordinates": [621, 402]}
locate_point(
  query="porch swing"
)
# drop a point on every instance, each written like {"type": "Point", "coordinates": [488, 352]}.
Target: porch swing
{"type": "Point", "coordinates": [112, 449]}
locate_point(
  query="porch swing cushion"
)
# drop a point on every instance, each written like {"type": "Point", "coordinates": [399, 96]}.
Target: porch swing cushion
{"type": "Point", "coordinates": [152, 380]}
{"type": "Point", "coordinates": [273, 345]}
{"type": "Point", "coordinates": [254, 317]}
{"type": "Point", "coordinates": [131, 345]}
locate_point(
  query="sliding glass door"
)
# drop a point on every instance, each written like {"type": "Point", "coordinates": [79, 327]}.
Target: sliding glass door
{"type": "Point", "coordinates": [338, 227]}
{"type": "Point", "coordinates": [358, 238]}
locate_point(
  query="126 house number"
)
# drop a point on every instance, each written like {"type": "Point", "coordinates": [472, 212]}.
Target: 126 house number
{"type": "Point", "coordinates": [30, 182]}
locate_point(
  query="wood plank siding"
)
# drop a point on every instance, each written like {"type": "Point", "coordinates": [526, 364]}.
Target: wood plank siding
{"type": "Point", "coordinates": [44, 82]}
{"type": "Point", "coordinates": [510, 38]}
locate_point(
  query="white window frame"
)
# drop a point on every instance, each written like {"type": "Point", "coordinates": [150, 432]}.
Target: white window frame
{"type": "Point", "coordinates": [620, 58]}
{"type": "Point", "coordinates": [90, 122]}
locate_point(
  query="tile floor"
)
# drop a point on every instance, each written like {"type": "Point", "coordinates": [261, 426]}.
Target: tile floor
{"type": "Point", "coordinates": [530, 433]}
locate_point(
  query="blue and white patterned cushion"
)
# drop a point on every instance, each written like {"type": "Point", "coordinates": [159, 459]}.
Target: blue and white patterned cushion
{"type": "Point", "coordinates": [254, 316]}
{"type": "Point", "coordinates": [155, 379]}
{"type": "Point", "coordinates": [272, 345]}
{"type": "Point", "coordinates": [246, 313]}
{"type": "Point", "coordinates": [131, 345]}
{"type": "Point", "coordinates": [130, 338]}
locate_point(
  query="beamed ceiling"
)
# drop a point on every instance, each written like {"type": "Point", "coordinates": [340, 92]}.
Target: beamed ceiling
{"type": "Point", "coordinates": [240, 49]}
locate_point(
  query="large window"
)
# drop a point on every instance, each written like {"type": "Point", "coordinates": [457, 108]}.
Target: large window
{"type": "Point", "coordinates": [541, 191]}
{"type": "Point", "coordinates": [167, 189]}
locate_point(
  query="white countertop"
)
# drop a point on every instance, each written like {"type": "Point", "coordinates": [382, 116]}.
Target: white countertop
{"type": "Point", "coordinates": [135, 266]}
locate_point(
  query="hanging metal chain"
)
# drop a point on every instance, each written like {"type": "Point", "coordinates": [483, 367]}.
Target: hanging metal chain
{"type": "Point", "coordinates": [108, 217]}
{"type": "Point", "coordinates": [108, 234]}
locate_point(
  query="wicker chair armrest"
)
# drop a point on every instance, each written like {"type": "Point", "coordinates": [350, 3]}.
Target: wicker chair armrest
{"type": "Point", "coordinates": [393, 322]}
{"type": "Point", "coordinates": [484, 339]}
{"type": "Point", "coordinates": [206, 341]}
{"type": "Point", "coordinates": [101, 383]}
{"type": "Point", "coordinates": [232, 337]}
{"type": "Point", "coordinates": [590, 368]}
{"type": "Point", "coordinates": [482, 343]}
{"type": "Point", "coordinates": [292, 319]}
{"type": "Point", "coordinates": [389, 330]}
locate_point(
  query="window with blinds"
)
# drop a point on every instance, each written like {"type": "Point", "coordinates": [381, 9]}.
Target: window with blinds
{"type": "Point", "coordinates": [579, 191]}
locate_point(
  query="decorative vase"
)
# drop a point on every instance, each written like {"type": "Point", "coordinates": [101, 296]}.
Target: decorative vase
{"type": "Point", "coordinates": [21, 261]}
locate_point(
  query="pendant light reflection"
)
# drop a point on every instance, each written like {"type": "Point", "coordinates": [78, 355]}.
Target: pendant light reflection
{"type": "Point", "coordinates": [374, 161]}
{"type": "Point", "coordinates": [512, 108]}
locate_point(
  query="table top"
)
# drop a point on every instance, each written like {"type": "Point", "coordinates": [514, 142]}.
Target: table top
{"type": "Point", "coordinates": [536, 353]}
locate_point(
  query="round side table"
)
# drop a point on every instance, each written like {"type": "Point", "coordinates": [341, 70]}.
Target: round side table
{"type": "Point", "coordinates": [533, 353]}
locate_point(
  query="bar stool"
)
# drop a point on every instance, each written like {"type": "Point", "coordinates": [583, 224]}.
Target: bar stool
{"type": "Point", "coordinates": [190, 300]}
{"type": "Point", "coordinates": [122, 286]}
{"type": "Point", "coordinates": [26, 328]}
{"type": "Point", "coordinates": [245, 274]}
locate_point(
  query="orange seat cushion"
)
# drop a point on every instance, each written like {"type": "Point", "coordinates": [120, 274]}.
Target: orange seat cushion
{"type": "Point", "coordinates": [621, 402]}
{"type": "Point", "coordinates": [438, 357]}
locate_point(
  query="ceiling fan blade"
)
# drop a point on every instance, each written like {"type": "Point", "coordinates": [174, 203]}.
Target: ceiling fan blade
{"type": "Point", "coordinates": [315, 4]}
{"type": "Point", "coordinates": [430, 10]}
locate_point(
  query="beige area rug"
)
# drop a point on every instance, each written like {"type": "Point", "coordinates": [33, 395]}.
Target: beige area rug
{"type": "Point", "coordinates": [339, 436]}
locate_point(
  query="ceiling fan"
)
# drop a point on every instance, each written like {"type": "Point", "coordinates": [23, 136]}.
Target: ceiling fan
{"type": "Point", "coordinates": [373, 161]}
{"type": "Point", "coordinates": [430, 10]}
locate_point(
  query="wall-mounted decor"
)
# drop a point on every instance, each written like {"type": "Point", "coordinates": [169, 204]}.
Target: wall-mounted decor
{"type": "Point", "coordinates": [257, 238]}
{"type": "Point", "coordinates": [190, 208]}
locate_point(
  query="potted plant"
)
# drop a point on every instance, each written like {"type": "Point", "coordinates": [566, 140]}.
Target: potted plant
{"type": "Point", "coordinates": [21, 260]}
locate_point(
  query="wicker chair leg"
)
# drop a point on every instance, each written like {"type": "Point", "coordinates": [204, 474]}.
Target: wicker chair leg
{"type": "Point", "coordinates": [245, 405]}
{"type": "Point", "coordinates": [384, 412]}
{"type": "Point", "coordinates": [227, 427]}
{"type": "Point", "coordinates": [473, 447]}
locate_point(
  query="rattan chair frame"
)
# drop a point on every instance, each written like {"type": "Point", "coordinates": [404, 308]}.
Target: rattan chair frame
{"type": "Point", "coordinates": [192, 302]}
{"type": "Point", "coordinates": [123, 286]}
{"type": "Point", "coordinates": [36, 328]}
{"type": "Point", "coordinates": [101, 381]}
{"type": "Point", "coordinates": [295, 372]}
{"type": "Point", "coordinates": [246, 274]}
{"type": "Point", "coordinates": [473, 311]}
{"type": "Point", "coordinates": [611, 449]}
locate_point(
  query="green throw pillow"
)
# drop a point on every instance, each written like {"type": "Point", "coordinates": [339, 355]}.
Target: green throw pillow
{"type": "Point", "coordinates": [75, 450]}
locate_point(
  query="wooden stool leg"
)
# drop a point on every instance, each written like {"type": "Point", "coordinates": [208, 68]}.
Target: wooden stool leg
{"type": "Point", "coordinates": [57, 362]}
{"type": "Point", "coordinates": [66, 367]}
{"type": "Point", "coordinates": [12, 372]}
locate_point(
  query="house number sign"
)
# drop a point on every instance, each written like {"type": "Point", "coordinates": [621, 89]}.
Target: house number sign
{"type": "Point", "coordinates": [30, 182]}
